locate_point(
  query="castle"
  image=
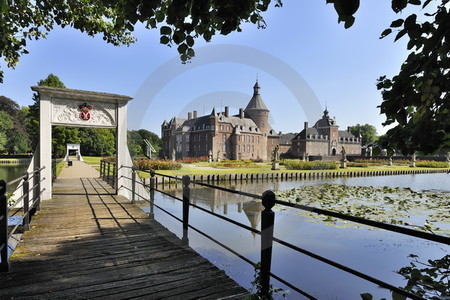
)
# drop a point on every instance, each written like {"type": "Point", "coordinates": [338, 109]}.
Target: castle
{"type": "Point", "coordinates": [324, 139]}
{"type": "Point", "coordinates": [247, 135]}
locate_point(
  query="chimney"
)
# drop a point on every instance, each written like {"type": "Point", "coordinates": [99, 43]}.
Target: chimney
{"type": "Point", "coordinates": [226, 111]}
{"type": "Point", "coordinates": [241, 113]}
{"type": "Point", "coordinates": [195, 114]}
{"type": "Point", "coordinates": [189, 115]}
{"type": "Point", "coordinates": [349, 128]}
{"type": "Point", "coordinates": [306, 125]}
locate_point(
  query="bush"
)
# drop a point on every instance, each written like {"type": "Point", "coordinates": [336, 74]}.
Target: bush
{"type": "Point", "coordinates": [431, 164]}
{"type": "Point", "coordinates": [192, 160]}
{"type": "Point", "coordinates": [149, 164]}
{"type": "Point", "coordinates": [309, 165]}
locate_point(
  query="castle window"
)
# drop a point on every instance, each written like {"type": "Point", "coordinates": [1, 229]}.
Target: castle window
{"type": "Point", "coordinates": [257, 139]}
{"type": "Point", "coordinates": [248, 148]}
{"type": "Point", "coordinates": [253, 139]}
{"type": "Point", "coordinates": [224, 137]}
{"type": "Point", "coordinates": [221, 127]}
{"type": "Point", "coordinates": [224, 147]}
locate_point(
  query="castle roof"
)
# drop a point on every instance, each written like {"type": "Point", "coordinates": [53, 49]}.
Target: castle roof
{"type": "Point", "coordinates": [325, 121]}
{"type": "Point", "coordinates": [256, 102]}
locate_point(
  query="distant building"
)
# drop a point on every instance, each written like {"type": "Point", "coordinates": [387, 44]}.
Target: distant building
{"type": "Point", "coordinates": [247, 135]}
{"type": "Point", "coordinates": [324, 139]}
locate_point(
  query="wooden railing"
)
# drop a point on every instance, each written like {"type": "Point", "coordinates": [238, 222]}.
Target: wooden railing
{"type": "Point", "coordinates": [23, 207]}
{"type": "Point", "coordinates": [268, 199]}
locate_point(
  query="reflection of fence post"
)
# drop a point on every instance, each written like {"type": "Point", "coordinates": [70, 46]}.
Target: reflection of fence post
{"type": "Point", "coordinates": [133, 184]}
{"type": "Point", "coordinates": [267, 222]}
{"type": "Point", "coordinates": [4, 264]}
{"type": "Point", "coordinates": [186, 198]}
{"type": "Point", "coordinates": [26, 203]}
{"type": "Point", "coordinates": [151, 214]}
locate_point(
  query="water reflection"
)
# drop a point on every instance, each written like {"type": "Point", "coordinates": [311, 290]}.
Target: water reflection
{"type": "Point", "coordinates": [376, 252]}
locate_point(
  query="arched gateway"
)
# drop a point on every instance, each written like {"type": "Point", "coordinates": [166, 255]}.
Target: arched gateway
{"type": "Point", "coordinates": [67, 107]}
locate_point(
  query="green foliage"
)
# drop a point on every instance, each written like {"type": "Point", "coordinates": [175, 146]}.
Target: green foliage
{"type": "Point", "coordinates": [150, 164]}
{"type": "Point", "coordinates": [6, 124]}
{"type": "Point", "coordinates": [256, 290]}
{"type": "Point", "coordinates": [428, 279]}
{"type": "Point", "coordinates": [431, 164]}
{"type": "Point", "coordinates": [417, 99]}
{"type": "Point", "coordinates": [136, 143]}
{"type": "Point", "coordinates": [291, 164]}
{"type": "Point", "coordinates": [61, 136]}
{"type": "Point", "coordinates": [32, 118]}
{"type": "Point", "coordinates": [17, 139]}
{"type": "Point", "coordinates": [368, 133]}
{"type": "Point", "coordinates": [181, 22]}
{"type": "Point", "coordinates": [97, 141]}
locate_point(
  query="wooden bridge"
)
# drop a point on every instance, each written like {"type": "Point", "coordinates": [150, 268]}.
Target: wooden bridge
{"type": "Point", "coordinates": [87, 242]}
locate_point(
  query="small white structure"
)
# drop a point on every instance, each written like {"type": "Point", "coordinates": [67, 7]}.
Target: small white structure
{"type": "Point", "coordinates": [73, 147]}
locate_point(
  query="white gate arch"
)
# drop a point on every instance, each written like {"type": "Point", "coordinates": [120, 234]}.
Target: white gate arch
{"type": "Point", "coordinates": [77, 108]}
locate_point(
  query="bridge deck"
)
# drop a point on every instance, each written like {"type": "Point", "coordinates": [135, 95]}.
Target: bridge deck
{"type": "Point", "coordinates": [88, 243]}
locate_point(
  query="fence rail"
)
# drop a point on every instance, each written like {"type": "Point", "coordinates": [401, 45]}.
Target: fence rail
{"type": "Point", "coordinates": [27, 203]}
{"type": "Point", "coordinates": [267, 227]}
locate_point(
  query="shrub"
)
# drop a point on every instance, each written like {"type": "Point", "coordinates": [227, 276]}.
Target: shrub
{"type": "Point", "coordinates": [149, 164]}
{"type": "Point", "coordinates": [192, 160]}
{"type": "Point", "coordinates": [431, 164]}
{"type": "Point", "coordinates": [357, 164]}
{"type": "Point", "coordinates": [309, 165]}
{"type": "Point", "coordinates": [257, 160]}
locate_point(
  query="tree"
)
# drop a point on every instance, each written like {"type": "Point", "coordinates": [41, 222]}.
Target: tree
{"type": "Point", "coordinates": [17, 139]}
{"type": "Point", "coordinates": [32, 123]}
{"type": "Point", "coordinates": [134, 143]}
{"type": "Point", "coordinates": [152, 137]}
{"type": "Point", "coordinates": [417, 99]}
{"type": "Point", "coordinates": [180, 22]}
{"type": "Point", "coordinates": [6, 124]}
{"type": "Point", "coordinates": [97, 141]}
{"type": "Point", "coordinates": [368, 133]}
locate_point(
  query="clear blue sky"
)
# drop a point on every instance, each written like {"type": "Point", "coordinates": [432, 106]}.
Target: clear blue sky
{"type": "Point", "coordinates": [332, 66]}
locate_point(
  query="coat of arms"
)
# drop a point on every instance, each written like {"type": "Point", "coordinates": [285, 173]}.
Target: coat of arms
{"type": "Point", "coordinates": [85, 112]}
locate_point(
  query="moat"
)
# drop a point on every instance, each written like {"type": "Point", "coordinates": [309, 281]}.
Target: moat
{"type": "Point", "coordinates": [375, 252]}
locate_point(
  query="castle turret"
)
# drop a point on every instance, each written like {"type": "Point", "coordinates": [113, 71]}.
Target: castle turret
{"type": "Point", "coordinates": [257, 110]}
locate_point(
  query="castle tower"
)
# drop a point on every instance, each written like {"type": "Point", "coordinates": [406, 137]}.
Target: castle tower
{"type": "Point", "coordinates": [257, 110]}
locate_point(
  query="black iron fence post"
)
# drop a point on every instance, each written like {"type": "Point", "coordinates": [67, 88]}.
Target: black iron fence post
{"type": "Point", "coordinates": [186, 199]}
{"type": "Point", "coordinates": [37, 189]}
{"type": "Point", "coordinates": [267, 223]}
{"type": "Point", "coordinates": [26, 203]}
{"type": "Point", "coordinates": [151, 214]}
{"type": "Point", "coordinates": [133, 184]}
{"type": "Point", "coordinates": [114, 183]}
{"type": "Point", "coordinates": [101, 169]}
{"type": "Point", "coordinates": [108, 174]}
{"type": "Point", "coordinates": [4, 264]}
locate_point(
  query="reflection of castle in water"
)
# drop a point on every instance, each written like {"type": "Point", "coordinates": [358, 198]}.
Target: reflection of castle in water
{"type": "Point", "coordinates": [253, 211]}
{"type": "Point", "coordinates": [218, 201]}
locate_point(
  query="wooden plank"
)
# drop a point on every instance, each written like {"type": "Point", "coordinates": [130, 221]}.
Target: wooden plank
{"type": "Point", "coordinates": [87, 244]}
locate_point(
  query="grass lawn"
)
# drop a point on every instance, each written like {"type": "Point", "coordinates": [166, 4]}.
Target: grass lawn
{"type": "Point", "coordinates": [267, 169]}
{"type": "Point", "coordinates": [92, 160]}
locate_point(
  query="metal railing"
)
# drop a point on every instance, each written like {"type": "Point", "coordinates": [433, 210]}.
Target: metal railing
{"type": "Point", "coordinates": [267, 228]}
{"type": "Point", "coordinates": [23, 207]}
{"type": "Point", "coordinates": [108, 172]}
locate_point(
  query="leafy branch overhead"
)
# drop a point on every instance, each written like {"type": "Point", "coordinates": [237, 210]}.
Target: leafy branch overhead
{"type": "Point", "coordinates": [415, 100]}
{"type": "Point", "coordinates": [180, 22]}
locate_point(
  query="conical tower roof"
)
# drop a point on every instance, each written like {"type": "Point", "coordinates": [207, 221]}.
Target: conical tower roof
{"type": "Point", "coordinates": [256, 103]}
